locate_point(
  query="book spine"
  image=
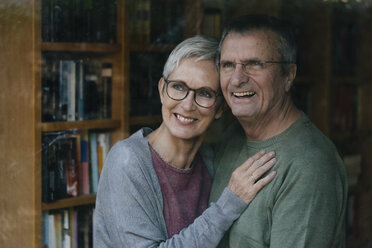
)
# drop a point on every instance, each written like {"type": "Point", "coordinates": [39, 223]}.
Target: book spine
{"type": "Point", "coordinates": [71, 91]}
{"type": "Point", "coordinates": [106, 77]}
{"type": "Point", "coordinates": [93, 162]}
{"type": "Point", "coordinates": [80, 90]}
{"type": "Point", "coordinates": [84, 168]}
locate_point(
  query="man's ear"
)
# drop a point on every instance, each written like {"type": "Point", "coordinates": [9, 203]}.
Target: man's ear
{"type": "Point", "coordinates": [290, 78]}
{"type": "Point", "coordinates": [160, 88]}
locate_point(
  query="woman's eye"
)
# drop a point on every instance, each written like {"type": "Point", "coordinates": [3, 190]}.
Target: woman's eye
{"type": "Point", "coordinates": [178, 87]}
{"type": "Point", "coordinates": [205, 93]}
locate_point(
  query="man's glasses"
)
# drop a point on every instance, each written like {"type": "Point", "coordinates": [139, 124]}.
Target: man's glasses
{"type": "Point", "coordinates": [204, 97]}
{"type": "Point", "coordinates": [249, 66]}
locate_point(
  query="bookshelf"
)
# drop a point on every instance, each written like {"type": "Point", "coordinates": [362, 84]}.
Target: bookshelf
{"type": "Point", "coordinates": [21, 110]}
{"type": "Point", "coordinates": [153, 34]}
{"type": "Point", "coordinates": [25, 47]}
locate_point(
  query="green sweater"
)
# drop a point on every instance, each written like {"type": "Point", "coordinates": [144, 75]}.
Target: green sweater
{"type": "Point", "coordinates": [304, 206]}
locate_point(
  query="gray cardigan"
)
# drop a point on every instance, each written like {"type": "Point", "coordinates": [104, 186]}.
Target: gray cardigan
{"type": "Point", "coordinates": [129, 205]}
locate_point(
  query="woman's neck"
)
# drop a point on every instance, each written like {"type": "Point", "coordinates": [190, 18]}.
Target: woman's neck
{"type": "Point", "coordinates": [175, 151]}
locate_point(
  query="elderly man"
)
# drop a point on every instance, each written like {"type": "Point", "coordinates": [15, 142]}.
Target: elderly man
{"type": "Point", "coordinates": [305, 204]}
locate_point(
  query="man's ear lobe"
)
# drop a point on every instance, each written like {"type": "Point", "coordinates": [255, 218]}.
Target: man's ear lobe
{"type": "Point", "coordinates": [291, 77]}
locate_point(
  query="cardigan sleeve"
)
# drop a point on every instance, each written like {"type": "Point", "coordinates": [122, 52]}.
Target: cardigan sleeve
{"type": "Point", "coordinates": [129, 209]}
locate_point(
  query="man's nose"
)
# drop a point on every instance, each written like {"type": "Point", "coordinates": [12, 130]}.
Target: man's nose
{"type": "Point", "coordinates": [238, 76]}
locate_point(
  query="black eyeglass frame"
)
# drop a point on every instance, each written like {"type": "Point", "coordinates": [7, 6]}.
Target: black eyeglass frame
{"type": "Point", "coordinates": [217, 94]}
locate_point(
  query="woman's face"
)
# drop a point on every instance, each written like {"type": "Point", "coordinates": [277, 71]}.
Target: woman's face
{"type": "Point", "coordinates": [185, 119]}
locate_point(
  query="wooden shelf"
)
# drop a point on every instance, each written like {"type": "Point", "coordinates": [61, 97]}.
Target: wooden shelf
{"type": "Point", "coordinates": [70, 202]}
{"type": "Point", "coordinates": [145, 120]}
{"type": "Point", "coordinates": [96, 124]}
{"type": "Point", "coordinates": [80, 47]}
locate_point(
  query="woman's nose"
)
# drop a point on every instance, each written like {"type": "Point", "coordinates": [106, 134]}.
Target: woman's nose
{"type": "Point", "coordinates": [189, 103]}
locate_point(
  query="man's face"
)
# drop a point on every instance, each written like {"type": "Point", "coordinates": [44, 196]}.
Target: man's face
{"type": "Point", "coordinates": [255, 94]}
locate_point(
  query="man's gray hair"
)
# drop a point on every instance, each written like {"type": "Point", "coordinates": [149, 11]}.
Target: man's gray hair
{"type": "Point", "coordinates": [198, 47]}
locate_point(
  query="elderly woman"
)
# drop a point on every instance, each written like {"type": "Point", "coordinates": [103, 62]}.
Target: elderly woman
{"type": "Point", "coordinates": [154, 187]}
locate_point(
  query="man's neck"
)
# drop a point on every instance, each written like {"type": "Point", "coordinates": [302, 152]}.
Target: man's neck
{"type": "Point", "coordinates": [271, 124]}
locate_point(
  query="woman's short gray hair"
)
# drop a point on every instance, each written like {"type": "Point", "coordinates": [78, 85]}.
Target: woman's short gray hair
{"type": "Point", "coordinates": [199, 47]}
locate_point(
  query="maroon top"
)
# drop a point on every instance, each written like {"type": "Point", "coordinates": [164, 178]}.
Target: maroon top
{"type": "Point", "coordinates": [185, 192]}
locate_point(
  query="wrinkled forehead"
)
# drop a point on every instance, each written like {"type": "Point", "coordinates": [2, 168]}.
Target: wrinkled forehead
{"type": "Point", "coordinates": [252, 44]}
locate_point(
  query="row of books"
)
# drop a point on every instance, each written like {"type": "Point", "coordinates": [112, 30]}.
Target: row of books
{"type": "Point", "coordinates": [79, 21]}
{"type": "Point", "coordinates": [68, 228]}
{"type": "Point", "coordinates": [145, 73]}
{"type": "Point", "coordinates": [72, 162]}
{"type": "Point", "coordinates": [76, 90]}
{"type": "Point", "coordinates": [156, 21]}
{"type": "Point", "coordinates": [139, 26]}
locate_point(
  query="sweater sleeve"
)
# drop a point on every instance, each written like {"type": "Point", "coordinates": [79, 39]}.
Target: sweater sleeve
{"type": "Point", "coordinates": [310, 206]}
{"type": "Point", "coordinates": [129, 212]}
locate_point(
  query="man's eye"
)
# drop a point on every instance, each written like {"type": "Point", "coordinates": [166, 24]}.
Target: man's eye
{"type": "Point", "coordinates": [227, 65]}
{"type": "Point", "coordinates": [254, 64]}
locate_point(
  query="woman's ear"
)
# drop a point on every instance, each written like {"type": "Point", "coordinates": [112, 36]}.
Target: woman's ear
{"type": "Point", "coordinates": [160, 89]}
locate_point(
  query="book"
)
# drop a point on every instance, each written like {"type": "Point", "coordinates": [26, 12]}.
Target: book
{"type": "Point", "coordinates": [45, 230]}
{"type": "Point", "coordinates": [85, 227]}
{"type": "Point", "coordinates": [80, 90]}
{"type": "Point", "coordinates": [73, 165]}
{"type": "Point", "coordinates": [66, 229]}
{"type": "Point", "coordinates": [103, 146]}
{"type": "Point", "coordinates": [84, 165]}
{"type": "Point", "coordinates": [63, 90]}
{"type": "Point", "coordinates": [50, 89]}
{"type": "Point", "coordinates": [60, 165]}
{"type": "Point", "coordinates": [93, 162]}
{"type": "Point", "coordinates": [58, 228]}
{"type": "Point", "coordinates": [91, 90]}
{"type": "Point", "coordinates": [51, 231]}
{"type": "Point", "coordinates": [71, 90]}
{"type": "Point", "coordinates": [49, 160]}
{"type": "Point", "coordinates": [76, 89]}
{"type": "Point", "coordinates": [79, 21]}
{"type": "Point", "coordinates": [105, 91]}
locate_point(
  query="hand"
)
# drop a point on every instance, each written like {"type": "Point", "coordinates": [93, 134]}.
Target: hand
{"type": "Point", "coordinates": [245, 181]}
